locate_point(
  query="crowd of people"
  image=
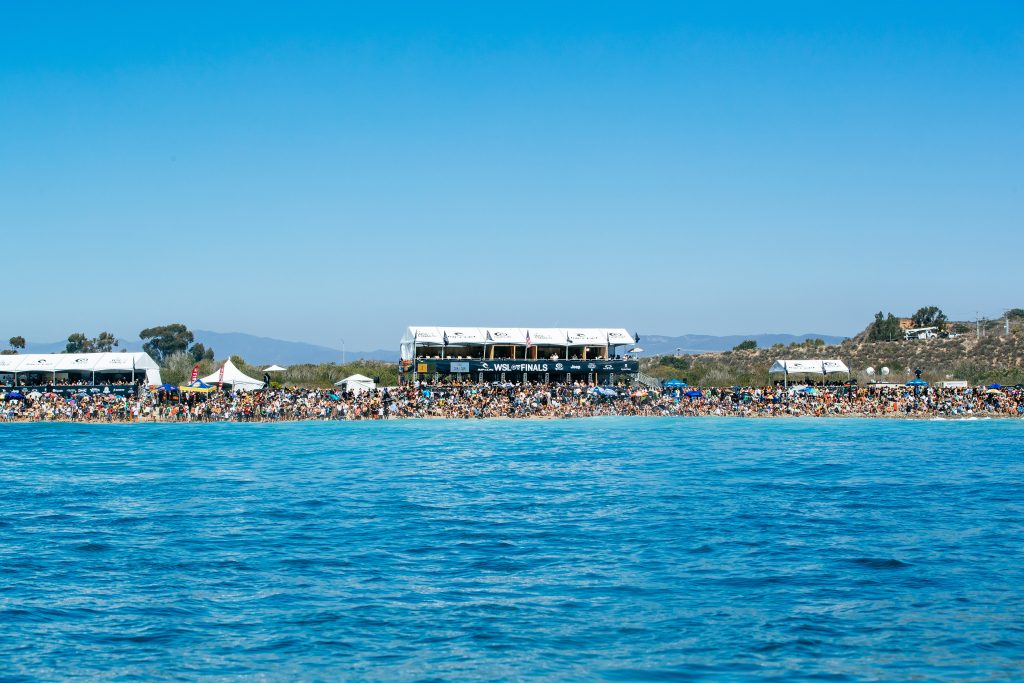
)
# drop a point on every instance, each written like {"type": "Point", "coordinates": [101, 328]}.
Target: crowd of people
{"type": "Point", "coordinates": [475, 401]}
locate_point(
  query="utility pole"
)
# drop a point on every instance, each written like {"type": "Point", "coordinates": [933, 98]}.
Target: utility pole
{"type": "Point", "coordinates": [342, 351]}
{"type": "Point", "coordinates": [977, 320]}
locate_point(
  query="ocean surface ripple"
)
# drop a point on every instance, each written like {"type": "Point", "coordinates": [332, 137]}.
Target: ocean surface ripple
{"type": "Point", "coordinates": [622, 549]}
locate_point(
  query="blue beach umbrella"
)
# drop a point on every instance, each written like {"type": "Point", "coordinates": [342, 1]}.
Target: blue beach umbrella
{"type": "Point", "coordinates": [15, 396]}
{"type": "Point", "coordinates": [674, 383]}
{"type": "Point", "coordinates": [917, 382]}
{"type": "Point", "coordinates": [694, 393]}
{"type": "Point", "coordinates": [995, 385]}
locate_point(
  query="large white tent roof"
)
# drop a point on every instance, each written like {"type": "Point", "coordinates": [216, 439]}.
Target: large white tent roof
{"type": "Point", "coordinates": [808, 367]}
{"type": "Point", "coordinates": [514, 336]}
{"type": "Point", "coordinates": [235, 377]}
{"type": "Point", "coordinates": [82, 362]}
{"type": "Point", "coordinates": [87, 362]}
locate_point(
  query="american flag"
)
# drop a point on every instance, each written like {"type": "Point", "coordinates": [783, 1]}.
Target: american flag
{"type": "Point", "coordinates": [528, 344]}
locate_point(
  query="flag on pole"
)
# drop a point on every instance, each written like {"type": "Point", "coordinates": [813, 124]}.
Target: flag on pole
{"type": "Point", "coordinates": [444, 339]}
{"type": "Point", "coordinates": [195, 373]}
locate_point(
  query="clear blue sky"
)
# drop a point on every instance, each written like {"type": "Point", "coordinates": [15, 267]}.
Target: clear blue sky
{"type": "Point", "coordinates": [317, 172]}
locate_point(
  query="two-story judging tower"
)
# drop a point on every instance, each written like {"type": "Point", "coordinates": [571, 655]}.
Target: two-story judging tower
{"type": "Point", "coordinates": [514, 354]}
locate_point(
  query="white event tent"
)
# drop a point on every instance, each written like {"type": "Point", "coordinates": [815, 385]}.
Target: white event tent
{"type": "Point", "coordinates": [807, 367]}
{"type": "Point", "coordinates": [357, 384]}
{"type": "Point", "coordinates": [93, 365]}
{"type": "Point", "coordinates": [234, 377]}
{"type": "Point", "coordinates": [417, 337]}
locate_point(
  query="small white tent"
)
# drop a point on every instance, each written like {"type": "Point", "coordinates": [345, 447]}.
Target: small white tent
{"type": "Point", "coordinates": [808, 367]}
{"type": "Point", "coordinates": [233, 377]}
{"type": "Point", "coordinates": [356, 384]}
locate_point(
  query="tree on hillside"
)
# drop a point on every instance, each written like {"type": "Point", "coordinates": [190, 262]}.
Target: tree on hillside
{"type": "Point", "coordinates": [104, 342]}
{"type": "Point", "coordinates": [885, 328]}
{"type": "Point", "coordinates": [746, 345]}
{"type": "Point", "coordinates": [1015, 313]}
{"type": "Point", "coordinates": [16, 343]}
{"type": "Point", "coordinates": [78, 343]}
{"type": "Point", "coordinates": [200, 352]}
{"type": "Point", "coordinates": [929, 316]}
{"type": "Point", "coordinates": [164, 341]}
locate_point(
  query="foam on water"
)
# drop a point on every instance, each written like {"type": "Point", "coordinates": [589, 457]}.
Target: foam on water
{"type": "Point", "coordinates": [611, 548]}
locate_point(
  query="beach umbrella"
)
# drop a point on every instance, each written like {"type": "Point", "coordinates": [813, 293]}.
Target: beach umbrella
{"type": "Point", "coordinates": [694, 393]}
{"type": "Point", "coordinates": [674, 383]}
{"type": "Point", "coordinates": [995, 385]}
{"type": "Point", "coordinates": [15, 396]}
{"type": "Point", "coordinates": [167, 387]}
{"type": "Point", "coordinates": [636, 349]}
{"type": "Point", "coordinates": [34, 395]}
{"type": "Point", "coordinates": [917, 382]}
{"type": "Point", "coordinates": [993, 392]}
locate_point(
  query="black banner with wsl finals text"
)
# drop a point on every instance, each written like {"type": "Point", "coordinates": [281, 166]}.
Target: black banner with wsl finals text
{"type": "Point", "coordinates": [582, 367]}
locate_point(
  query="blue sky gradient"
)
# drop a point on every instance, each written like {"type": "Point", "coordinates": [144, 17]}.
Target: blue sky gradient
{"type": "Point", "coordinates": [320, 172]}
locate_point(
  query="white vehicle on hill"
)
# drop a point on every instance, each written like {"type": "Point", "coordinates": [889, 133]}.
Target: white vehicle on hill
{"type": "Point", "coordinates": [921, 333]}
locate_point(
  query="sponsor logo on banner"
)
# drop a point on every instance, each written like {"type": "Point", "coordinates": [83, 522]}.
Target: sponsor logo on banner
{"type": "Point", "coordinates": [421, 367]}
{"type": "Point", "coordinates": [459, 367]}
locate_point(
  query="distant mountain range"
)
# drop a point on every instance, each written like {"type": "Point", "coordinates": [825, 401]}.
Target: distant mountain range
{"type": "Point", "coordinates": [265, 350]}
{"type": "Point", "coordinates": [254, 349]}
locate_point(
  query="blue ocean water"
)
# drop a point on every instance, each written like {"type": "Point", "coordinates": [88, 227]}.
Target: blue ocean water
{"type": "Point", "coordinates": [611, 549]}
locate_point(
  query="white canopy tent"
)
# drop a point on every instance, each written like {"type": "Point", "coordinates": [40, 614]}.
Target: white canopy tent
{"type": "Point", "coordinates": [357, 384]}
{"type": "Point", "coordinates": [808, 367]}
{"type": "Point", "coordinates": [238, 380]}
{"type": "Point", "coordinates": [134, 364]}
{"type": "Point", "coordinates": [417, 337]}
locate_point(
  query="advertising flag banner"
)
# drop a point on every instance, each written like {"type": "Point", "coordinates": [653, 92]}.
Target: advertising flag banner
{"type": "Point", "coordinates": [195, 373]}
{"type": "Point", "coordinates": [220, 379]}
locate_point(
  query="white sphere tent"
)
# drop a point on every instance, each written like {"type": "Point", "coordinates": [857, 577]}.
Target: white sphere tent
{"type": "Point", "coordinates": [357, 384]}
{"type": "Point", "coordinates": [95, 367]}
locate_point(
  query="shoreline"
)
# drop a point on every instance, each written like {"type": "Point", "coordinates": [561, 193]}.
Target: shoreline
{"type": "Point", "coordinates": [530, 418]}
